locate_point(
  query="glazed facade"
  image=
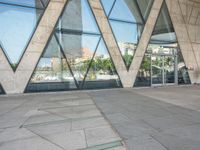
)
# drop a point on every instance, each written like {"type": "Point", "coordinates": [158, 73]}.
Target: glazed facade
{"type": "Point", "coordinates": [62, 45]}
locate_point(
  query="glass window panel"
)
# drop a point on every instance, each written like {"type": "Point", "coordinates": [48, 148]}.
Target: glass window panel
{"type": "Point", "coordinates": [164, 31]}
{"type": "Point", "coordinates": [29, 3]}
{"type": "Point", "coordinates": [79, 49]}
{"type": "Point", "coordinates": [183, 75]}
{"type": "Point", "coordinates": [45, 2]}
{"type": "Point", "coordinates": [144, 74]}
{"type": "Point", "coordinates": [107, 5]}
{"type": "Point", "coordinates": [159, 63]}
{"type": "Point", "coordinates": [125, 10]}
{"type": "Point", "coordinates": [127, 35]}
{"type": "Point", "coordinates": [16, 28]}
{"type": "Point", "coordinates": [1, 90]}
{"type": "Point", "coordinates": [52, 66]}
{"type": "Point", "coordinates": [78, 16]}
{"type": "Point", "coordinates": [102, 72]}
{"type": "Point", "coordinates": [145, 7]}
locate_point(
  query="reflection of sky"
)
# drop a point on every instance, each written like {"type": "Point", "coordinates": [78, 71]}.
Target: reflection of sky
{"type": "Point", "coordinates": [88, 20]}
{"type": "Point", "coordinates": [124, 32]}
{"type": "Point", "coordinates": [121, 11]}
{"type": "Point", "coordinates": [16, 27]}
{"type": "Point", "coordinates": [31, 3]}
{"type": "Point", "coordinates": [102, 50]}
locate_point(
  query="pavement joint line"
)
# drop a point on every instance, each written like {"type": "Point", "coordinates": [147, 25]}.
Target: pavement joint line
{"type": "Point", "coordinates": [58, 121]}
{"type": "Point", "coordinates": [46, 139]}
{"type": "Point", "coordinates": [159, 142]}
{"type": "Point", "coordinates": [64, 107]}
{"type": "Point", "coordinates": [70, 99]}
{"type": "Point", "coordinates": [105, 146]}
{"type": "Point", "coordinates": [105, 117]}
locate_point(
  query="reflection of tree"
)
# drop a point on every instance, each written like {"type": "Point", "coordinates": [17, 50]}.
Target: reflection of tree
{"type": "Point", "coordinates": [14, 65]}
{"type": "Point", "coordinates": [128, 58]}
{"type": "Point", "coordinates": [145, 67]}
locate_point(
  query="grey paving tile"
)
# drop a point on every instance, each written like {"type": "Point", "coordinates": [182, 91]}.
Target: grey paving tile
{"type": "Point", "coordinates": [88, 123]}
{"type": "Point", "coordinates": [117, 118]}
{"type": "Point", "coordinates": [100, 135]}
{"type": "Point", "coordinates": [144, 143]}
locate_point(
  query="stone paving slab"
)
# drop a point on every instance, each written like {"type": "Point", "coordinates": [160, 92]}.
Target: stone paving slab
{"type": "Point", "coordinates": [55, 122]}
{"type": "Point", "coordinates": [165, 118]}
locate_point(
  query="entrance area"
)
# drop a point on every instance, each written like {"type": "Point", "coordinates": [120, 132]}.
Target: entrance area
{"type": "Point", "coordinates": [164, 69]}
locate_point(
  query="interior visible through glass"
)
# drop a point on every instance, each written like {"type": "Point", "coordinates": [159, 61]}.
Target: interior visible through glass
{"type": "Point", "coordinates": [163, 62]}
{"type": "Point", "coordinates": [76, 57]}
{"type": "Point", "coordinates": [127, 19]}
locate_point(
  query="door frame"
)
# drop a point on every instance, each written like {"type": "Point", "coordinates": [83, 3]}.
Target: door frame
{"type": "Point", "coordinates": [163, 70]}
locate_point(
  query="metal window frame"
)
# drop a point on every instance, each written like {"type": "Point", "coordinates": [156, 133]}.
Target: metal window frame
{"type": "Point", "coordinates": [32, 34]}
{"type": "Point", "coordinates": [75, 32]}
{"type": "Point", "coordinates": [124, 21]}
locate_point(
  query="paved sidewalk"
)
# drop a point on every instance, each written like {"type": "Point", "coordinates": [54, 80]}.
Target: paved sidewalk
{"type": "Point", "coordinates": [54, 121]}
{"type": "Point", "coordinates": [166, 118]}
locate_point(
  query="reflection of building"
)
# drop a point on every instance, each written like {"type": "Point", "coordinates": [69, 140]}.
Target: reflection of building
{"type": "Point", "coordinates": [86, 53]}
{"type": "Point", "coordinates": [127, 48]}
{"type": "Point", "coordinates": [71, 36]}
{"type": "Point", "coordinates": [56, 64]}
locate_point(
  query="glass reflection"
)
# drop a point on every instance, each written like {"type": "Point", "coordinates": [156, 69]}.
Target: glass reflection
{"type": "Point", "coordinates": [127, 23]}
{"type": "Point", "coordinates": [144, 6]}
{"type": "Point", "coordinates": [16, 28]}
{"type": "Point", "coordinates": [102, 72]}
{"type": "Point", "coordinates": [52, 71]}
{"type": "Point", "coordinates": [1, 90]}
{"type": "Point", "coordinates": [79, 50]}
{"type": "Point", "coordinates": [76, 55]}
{"type": "Point", "coordinates": [28, 3]}
{"type": "Point", "coordinates": [52, 66]}
{"type": "Point", "coordinates": [165, 61]}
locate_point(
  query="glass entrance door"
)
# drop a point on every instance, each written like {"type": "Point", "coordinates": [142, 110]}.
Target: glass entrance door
{"type": "Point", "coordinates": [163, 70]}
{"type": "Point", "coordinates": [156, 70]}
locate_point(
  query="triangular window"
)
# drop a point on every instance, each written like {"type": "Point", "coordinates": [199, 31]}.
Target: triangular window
{"type": "Point", "coordinates": [78, 41]}
{"type": "Point", "coordinates": [19, 20]}
{"type": "Point", "coordinates": [163, 62]}
{"type": "Point", "coordinates": [127, 19]}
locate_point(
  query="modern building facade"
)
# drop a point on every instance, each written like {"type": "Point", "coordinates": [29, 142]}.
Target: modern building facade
{"type": "Point", "coordinates": [61, 45]}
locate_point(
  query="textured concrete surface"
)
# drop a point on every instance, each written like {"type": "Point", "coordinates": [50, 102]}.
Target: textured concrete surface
{"type": "Point", "coordinates": [185, 18]}
{"type": "Point", "coordinates": [54, 121]}
{"type": "Point", "coordinates": [166, 118]}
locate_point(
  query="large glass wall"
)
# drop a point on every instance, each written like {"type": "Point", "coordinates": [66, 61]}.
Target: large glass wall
{"type": "Point", "coordinates": [127, 19]}
{"type": "Point", "coordinates": [18, 21]}
{"type": "Point", "coordinates": [163, 62]}
{"type": "Point", "coordinates": [76, 57]}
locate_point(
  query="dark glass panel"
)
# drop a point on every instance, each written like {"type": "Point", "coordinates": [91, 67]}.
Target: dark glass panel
{"type": "Point", "coordinates": [16, 28]}
{"type": "Point", "coordinates": [145, 7]}
{"type": "Point", "coordinates": [1, 90]}
{"type": "Point", "coordinates": [144, 74]}
{"type": "Point", "coordinates": [78, 16]}
{"type": "Point", "coordinates": [28, 3]}
{"type": "Point", "coordinates": [183, 75]}
{"type": "Point", "coordinates": [163, 32]}
{"type": "Point", "coordinates": [102, 73]}
{"type": "Point", "coordinates": [52, 69]}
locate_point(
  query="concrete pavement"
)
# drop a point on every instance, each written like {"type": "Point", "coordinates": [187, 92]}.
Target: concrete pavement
{"type": "Point", "coordinates": [164, 118]}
